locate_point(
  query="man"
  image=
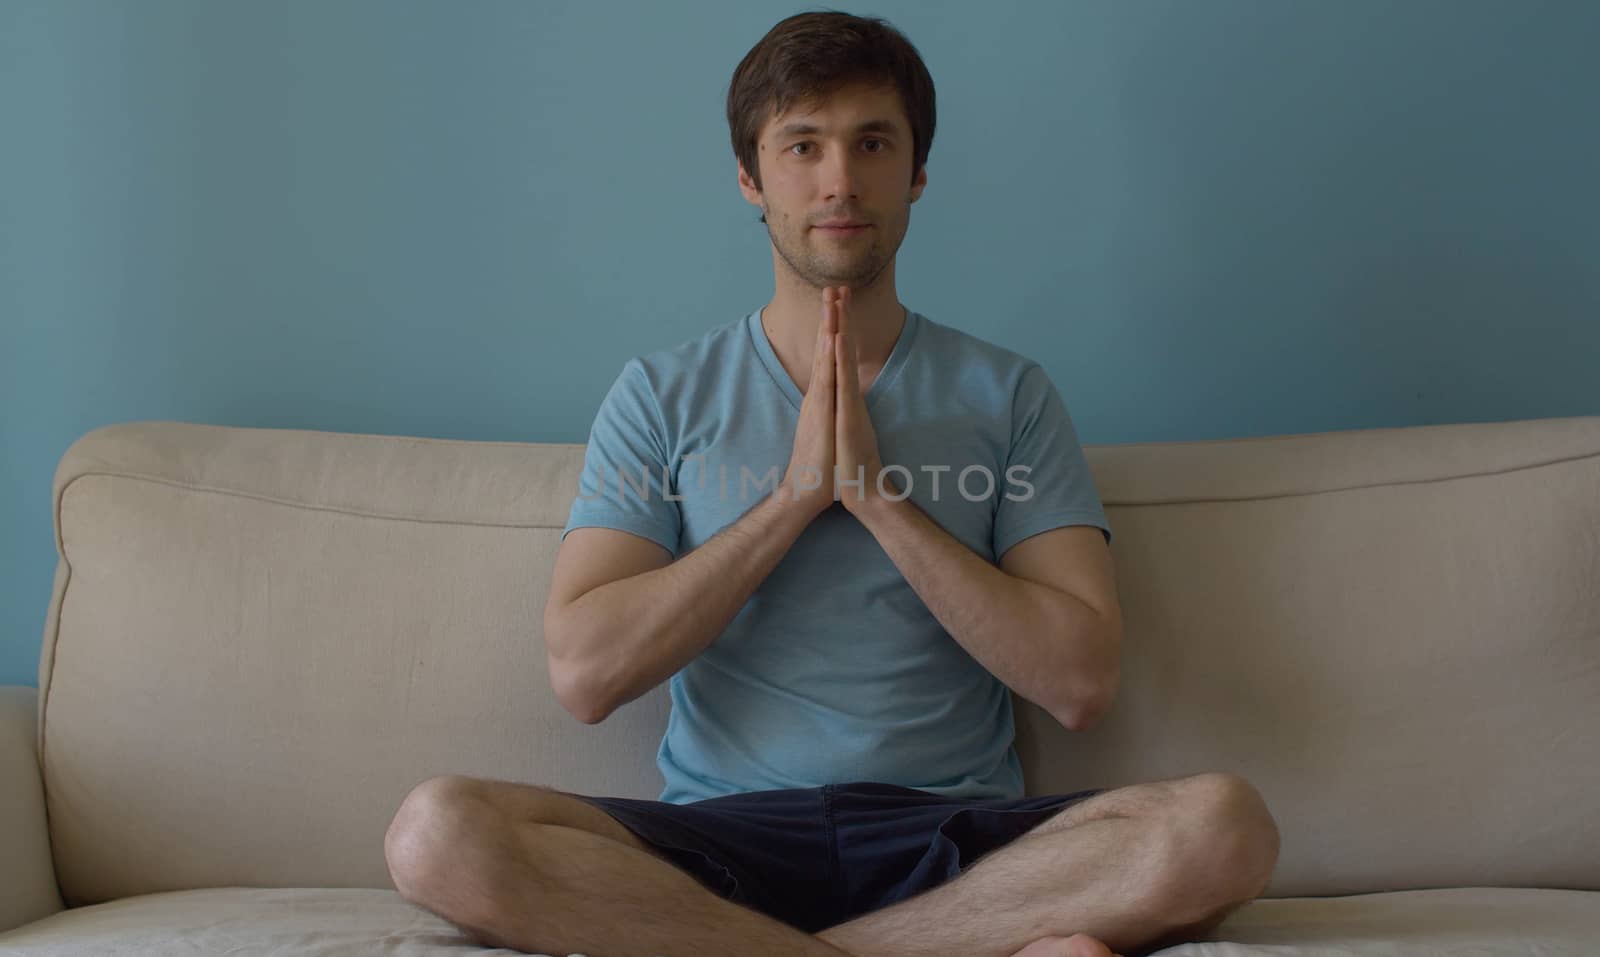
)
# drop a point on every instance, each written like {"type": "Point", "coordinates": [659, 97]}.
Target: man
{"type": "Point", "coordinates": [846, 533]}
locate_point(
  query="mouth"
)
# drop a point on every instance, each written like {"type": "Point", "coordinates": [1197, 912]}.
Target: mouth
{"type": "Point", "coordinates": [844, 230]}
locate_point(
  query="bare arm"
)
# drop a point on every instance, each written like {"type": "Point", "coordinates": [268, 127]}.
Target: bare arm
{"type": "Point", "coordinates": [1025, 622]}
{"type": "Point", "coordinates": [1045, 643]}
{"type": "Point", "coordinates": [615, 642]}
{"type": "Point", "coordinates": [620, 619]}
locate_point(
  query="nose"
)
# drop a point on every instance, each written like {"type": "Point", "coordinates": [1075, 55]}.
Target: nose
{"type": "Point", "coordinates": [840, 176]}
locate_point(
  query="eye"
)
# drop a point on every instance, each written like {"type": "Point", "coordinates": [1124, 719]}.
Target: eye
{"type": "Point", "coordinates": [883, 144]}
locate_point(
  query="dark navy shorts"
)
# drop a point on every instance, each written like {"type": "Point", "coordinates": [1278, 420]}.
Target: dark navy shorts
{"type": "Point", "coordinates": [817, 857]}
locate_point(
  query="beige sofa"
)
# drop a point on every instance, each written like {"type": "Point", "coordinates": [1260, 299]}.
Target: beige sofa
{"type": "Point", "coordinates": [259, 640]}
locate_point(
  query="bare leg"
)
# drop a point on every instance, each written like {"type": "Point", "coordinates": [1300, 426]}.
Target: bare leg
{"type": "Point", "coordinates": [1132, 868]}
{"type": "Point", "coordinates": [479, 855]}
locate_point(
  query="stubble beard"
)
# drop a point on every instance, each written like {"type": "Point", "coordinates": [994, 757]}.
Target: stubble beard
{"type": "Point", "coordinates": [860, 268]}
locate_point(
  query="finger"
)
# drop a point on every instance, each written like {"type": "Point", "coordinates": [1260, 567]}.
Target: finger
{"type": "Point", "coordinates": [841, 308]}
{"type": "Point", "coordinates": [842, 376]}
{"type": "Point", "coordinates": [847, 342]}
{"type": "Point", "coordinates": [851, 378]}
{"type": "Point", "coordinates": [846, 400]}
{"type": "Point", "coordinates": [822, 360]}
{"type": "Point", "coordinates": [826, 386]}
{"type": "Point", "coordinates": [844, 404]}
{"type": "Point", "coordinates": [822, 337]}
{"type": "Point", "coordinates": [824, 351]}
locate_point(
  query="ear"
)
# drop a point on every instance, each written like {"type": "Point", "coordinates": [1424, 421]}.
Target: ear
{"type": "Point", "coordinates": [747, 186]}
{"type": "Point", "coordinates": [919, 183]}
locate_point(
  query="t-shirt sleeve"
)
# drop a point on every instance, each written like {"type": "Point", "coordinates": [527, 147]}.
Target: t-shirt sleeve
{"type": "Point", "coordinates": [625, 465]}
{"type": "Point", "coordinates": [1047, 483]}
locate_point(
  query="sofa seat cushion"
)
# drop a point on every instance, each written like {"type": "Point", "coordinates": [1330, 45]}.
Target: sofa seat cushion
{"type": "Point", "coordinates": [1480, 921]}
{"type": "Point", "coordinates": [261, 922]}
{"type": "Point", "coordinates": [268, 922]}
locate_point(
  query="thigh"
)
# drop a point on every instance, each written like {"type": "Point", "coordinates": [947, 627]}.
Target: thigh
{"type": "Point", "coordinates": [518, 801]}
{"type": "Point", "coordinates": [896, 842]}
{"type": "Point", "coordinates": [770, 851]}
{"type": "Point", "coordinates": [1150, 800]}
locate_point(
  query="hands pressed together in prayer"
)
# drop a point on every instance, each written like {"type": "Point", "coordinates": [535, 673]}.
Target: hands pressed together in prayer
{"type": "Point", "coordinates": [835, 444]}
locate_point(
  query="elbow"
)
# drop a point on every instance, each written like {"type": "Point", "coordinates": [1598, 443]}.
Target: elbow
{"type": "Point", "coordinates": [1093, 701]}
{"type": "Point", "coordinates": [573, 687]}
{"type": "Point", "coordinates": [576, 695]}
{"type": "Point", "coordinates": [590, 716]}
{"type": "Point", "coordinates": [1084, 713]}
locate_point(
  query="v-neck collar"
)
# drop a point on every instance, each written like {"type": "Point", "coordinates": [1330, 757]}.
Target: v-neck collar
{"type": "Point", "coordinates": [786, 383]}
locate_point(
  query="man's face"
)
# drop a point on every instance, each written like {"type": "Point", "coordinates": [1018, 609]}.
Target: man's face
{"type": "Point", "coordinates": [847, 158]}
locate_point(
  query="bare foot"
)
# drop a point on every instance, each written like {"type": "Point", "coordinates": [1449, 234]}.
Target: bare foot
{"type": "Point", "coordinates": [1078, 945]}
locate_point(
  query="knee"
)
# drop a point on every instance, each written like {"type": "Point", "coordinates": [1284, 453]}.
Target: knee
{"type": "Point", "coordinates": [439, 822]}
{"type": "Point", "coordinates": [1223, 846]}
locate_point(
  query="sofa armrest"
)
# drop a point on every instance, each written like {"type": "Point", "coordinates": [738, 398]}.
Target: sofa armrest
{"type": "Point", "coordinates": [28, 889]}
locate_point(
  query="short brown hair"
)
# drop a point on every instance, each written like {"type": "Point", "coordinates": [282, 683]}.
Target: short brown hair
{"type": "Point", "coordinates": [809, 56]}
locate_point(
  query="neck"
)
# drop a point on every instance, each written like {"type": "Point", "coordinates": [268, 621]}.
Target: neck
{"type": "Point", "coordinates": [876, 318]}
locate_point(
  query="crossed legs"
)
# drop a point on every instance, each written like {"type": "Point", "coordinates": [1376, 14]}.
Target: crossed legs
{"type": "Point", "coordinates": [534, 869]}
{"type": "Point", "coordinates": [1138, 868]}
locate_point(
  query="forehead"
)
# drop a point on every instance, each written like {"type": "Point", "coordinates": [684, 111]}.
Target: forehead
{"type": "Point", "coordinates": [855, 108]}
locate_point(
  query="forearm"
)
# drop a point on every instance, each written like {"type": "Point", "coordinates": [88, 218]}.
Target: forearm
{"type": "Point", "coordinates": [1041, 642]}
{"type": "Point", "coordinates": [635, 633]}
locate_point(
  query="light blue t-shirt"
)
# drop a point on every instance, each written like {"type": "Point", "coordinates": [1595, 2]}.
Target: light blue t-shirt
{"type": "Point", "coordinates": [835, 670]}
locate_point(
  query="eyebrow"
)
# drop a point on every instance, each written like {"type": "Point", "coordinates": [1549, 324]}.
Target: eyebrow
{"type": "Point", "coordinates": [870, 126]}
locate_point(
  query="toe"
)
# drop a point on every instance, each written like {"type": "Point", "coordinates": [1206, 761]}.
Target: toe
{"type": "Point", "coordinates": [1082, 945]}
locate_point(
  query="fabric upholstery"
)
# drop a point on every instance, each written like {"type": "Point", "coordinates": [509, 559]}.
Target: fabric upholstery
{"type": "Point", "coordinates": [260, 639]}
{"type": "Point", "coordinates": [27, 878]}
{"type": "Point", "coordinates": [325, 922]}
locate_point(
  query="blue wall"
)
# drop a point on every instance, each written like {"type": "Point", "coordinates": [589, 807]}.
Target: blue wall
{"type": "Point", "coordinates": [450, 219]}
